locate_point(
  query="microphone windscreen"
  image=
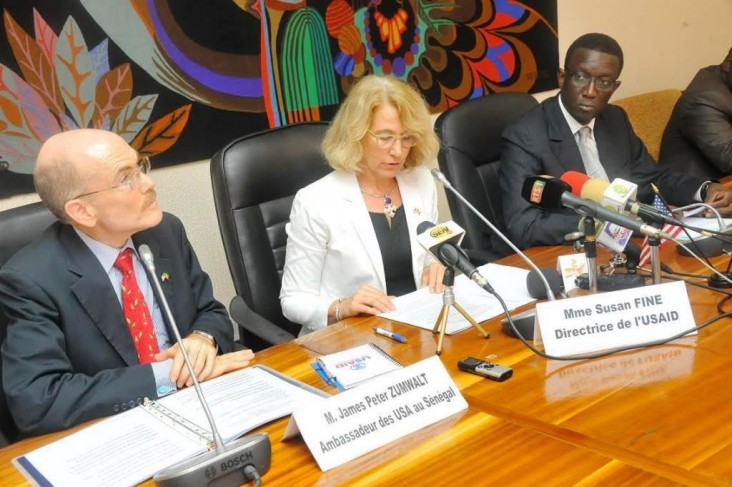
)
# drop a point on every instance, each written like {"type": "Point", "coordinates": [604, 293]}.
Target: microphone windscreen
{"type": "Point", "coordinates": [535, 285]}
{"type": "Point", "coordinates": [545, 191]}
{"type": "Point", "coordinates": [576, 180]}
{"type": "Point", "coordinates": [632, 252]}
{"type": "Point", "coordinates": [584, 186]}
{"type": "Point", "coordinates": [424, 226]}
{"type": "Point", "coordinates": [594, 189]}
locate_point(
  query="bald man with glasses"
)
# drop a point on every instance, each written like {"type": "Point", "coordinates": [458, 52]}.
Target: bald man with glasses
{"type": "Point", "coordinates": [86, 337]}
{"type": "Point", "coordinates": [578, 131]}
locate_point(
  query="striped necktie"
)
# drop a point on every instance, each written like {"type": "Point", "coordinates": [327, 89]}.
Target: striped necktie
{"type": "Point", "coordinates": [590, 157]}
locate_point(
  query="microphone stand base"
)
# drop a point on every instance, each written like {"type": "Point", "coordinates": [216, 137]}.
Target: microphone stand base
{"type": "Point", "coordinates": [524, 323]}
{"type": "Point", "coordinates": [718, 283]}
{"type": "Point", "coordinates": [220, 469]}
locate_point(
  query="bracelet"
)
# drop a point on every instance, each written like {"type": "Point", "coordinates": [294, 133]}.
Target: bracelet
{"type": "Point", "coordinates": [205, 335]}
{"type": "Point", "coordinates": [338, 309]}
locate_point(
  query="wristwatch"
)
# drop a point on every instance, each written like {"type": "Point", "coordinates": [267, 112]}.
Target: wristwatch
{"type": "Point", "coordinates": [205, 335]}
{"type": "Point", "coordinates": [703, 190]}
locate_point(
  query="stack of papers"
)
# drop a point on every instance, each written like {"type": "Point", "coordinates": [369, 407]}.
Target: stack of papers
{"type": "Point", "coordinates": [421, 307]}
{"type": "Point", "coordinates": [354, 366]}
{"type": "Point", "coordinates": [130, 447]}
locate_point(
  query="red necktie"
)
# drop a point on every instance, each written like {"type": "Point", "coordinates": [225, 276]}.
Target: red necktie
{"type": "Point", "coordinates": [136, 312]}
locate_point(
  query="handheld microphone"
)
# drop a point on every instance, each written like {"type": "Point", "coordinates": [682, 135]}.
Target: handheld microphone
{"type": "Point", "coordinates": [553, 194]}
{"type": "Point", "coordinates": [442, 242]}
{"type": "Point", "coordinates": [616, 196]}
{"type": "Point", "coordinates": [437, 235]}
{"type": "Point", "coordinates": [620, 196]}
{"type": "Point", "coordinates": [238, 462]}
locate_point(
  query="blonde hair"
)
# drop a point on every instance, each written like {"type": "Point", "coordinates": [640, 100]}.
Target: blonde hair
{"type": "Point", "coordinates": [342, 143]}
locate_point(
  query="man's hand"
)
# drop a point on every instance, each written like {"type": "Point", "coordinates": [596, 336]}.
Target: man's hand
{"type": "Point", "coordinates": [720, 197]}
{"type": "Point", "coordinates": [432, 277]}
{"type": "Point", "coordinates": [202, 354]}
{"type": "Point", "coordinates": [230, 362]}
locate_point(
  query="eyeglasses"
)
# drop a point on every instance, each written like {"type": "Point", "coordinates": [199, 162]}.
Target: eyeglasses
{"type": "Point", "coordinates": [387, 140]}
{"type": "Point", "coordinates": [582, 80]}
{"type": "Point", "coordinates": [130, 181]}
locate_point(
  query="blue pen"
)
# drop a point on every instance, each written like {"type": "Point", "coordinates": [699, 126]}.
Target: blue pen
{"type": "Point", "coordinates": [393, 336]}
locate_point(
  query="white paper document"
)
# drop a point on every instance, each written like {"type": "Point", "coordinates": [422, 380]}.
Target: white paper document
{"type": "Point", "coordinates": [131, 447]}
{"type": "Point", "coordinates": [705, 223]}
{"type": "Point", "coordinates": [421, 307]}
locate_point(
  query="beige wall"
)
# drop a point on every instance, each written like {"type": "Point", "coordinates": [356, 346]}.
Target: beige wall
{"type": "Point", "coordinates": [665, 42]}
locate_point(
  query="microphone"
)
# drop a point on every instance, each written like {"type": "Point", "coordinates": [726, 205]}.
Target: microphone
{"type": "Point", "coordinates": [553, 194]}
{"type": "Point", "coordinates": [442, 241]}
{"type": "Point", "coordinates": [437, 235]}
{"type": "Point", "coordinates": [617, 195]}
{"type": "Point", "coordinates": [620, 196]}
{"type": "Point", "coordinates": [536, 286]}
{"type": "Point", "coordinates": [238, 462]}
{"type": "Point", "coordinates": [437, 174]}
{"type": "Point", "coordinates": [524, 321]}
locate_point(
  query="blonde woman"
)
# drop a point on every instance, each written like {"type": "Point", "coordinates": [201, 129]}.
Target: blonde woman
{"type": "Point", "coordinates": [352, 234]}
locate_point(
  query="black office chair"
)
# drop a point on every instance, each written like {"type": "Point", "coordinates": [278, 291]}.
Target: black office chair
{"type": "Point", "coordinates": [255, 179]}
{"type": "Point", "coordinates": [18, 227]}
{"type": "Point", "coordinates": [469, 157]}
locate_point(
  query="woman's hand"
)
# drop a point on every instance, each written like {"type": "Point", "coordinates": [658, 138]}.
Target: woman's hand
{"type": "Point", "coordinates": [366, 299]}
{"type": "Point", "coordinates": [432, 277]}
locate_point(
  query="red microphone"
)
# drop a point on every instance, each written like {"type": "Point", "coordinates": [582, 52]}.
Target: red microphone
{"type": "Point", "coordinates": [584, 186]}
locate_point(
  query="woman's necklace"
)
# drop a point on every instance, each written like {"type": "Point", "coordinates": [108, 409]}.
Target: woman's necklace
{"type": "Point", "coordinates": [389, 208]}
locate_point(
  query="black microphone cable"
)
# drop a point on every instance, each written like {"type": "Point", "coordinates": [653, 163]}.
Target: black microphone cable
{"type": "Point", "coordinates": [685, 228]}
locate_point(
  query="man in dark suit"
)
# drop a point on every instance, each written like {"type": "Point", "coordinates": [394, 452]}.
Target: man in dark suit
{"type": "Point", "coordinates": [578, 131]}
{"type": "Point", "coordinates": [698, 137]}
{"type": "Point", "coordinates": [86, 337]}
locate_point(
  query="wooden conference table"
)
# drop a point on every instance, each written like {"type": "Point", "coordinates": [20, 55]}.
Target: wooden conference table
{"type": "Point", "coordinates": [655, 416]}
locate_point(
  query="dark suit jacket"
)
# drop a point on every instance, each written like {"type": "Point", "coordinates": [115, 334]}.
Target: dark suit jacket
{"type": "Point", "coordinates": [541, 143]}
{"type": "Point", "coordinates": [68, 356]}
{"type": "Point", "coordinates": [698, 137]}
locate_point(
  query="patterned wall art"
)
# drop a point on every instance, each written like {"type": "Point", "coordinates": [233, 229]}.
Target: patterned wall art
{"type": "Point", "coordinates": [180, 78]}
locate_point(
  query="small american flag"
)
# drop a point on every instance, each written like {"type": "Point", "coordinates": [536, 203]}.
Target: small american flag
{"type": "Point", "coordinates": [672, 230]}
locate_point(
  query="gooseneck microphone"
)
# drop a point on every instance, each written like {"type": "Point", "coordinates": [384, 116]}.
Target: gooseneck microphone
{"type": "Point", "coordinates": [238, 462]}
{"type": "Point", "coordinates": [437, 174]}
{"type": "Point", "coordinates": [553, 194]}
{"type": "Point", "coordinates": [439, 241]}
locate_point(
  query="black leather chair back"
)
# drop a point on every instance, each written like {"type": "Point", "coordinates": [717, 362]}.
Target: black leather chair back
{"type": "Point", "coordinates": [255, 179]}
{"type": "Point", "coordinates": [469, 156]}
{"type": "Point", "coordinates": [18, 227]}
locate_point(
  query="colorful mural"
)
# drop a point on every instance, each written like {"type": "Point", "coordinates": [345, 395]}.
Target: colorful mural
{"type": "Point", "coordinates": [180, 78]}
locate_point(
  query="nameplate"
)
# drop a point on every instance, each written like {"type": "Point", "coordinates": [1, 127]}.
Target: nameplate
{"type": "Point", "coordinates": [357, 421]}
{"type": "Point", "coordinates": [614, 319]}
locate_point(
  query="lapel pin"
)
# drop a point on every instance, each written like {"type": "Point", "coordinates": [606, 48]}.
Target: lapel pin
{"type": "Point", "coordinates": [417, 211]}
{"type": "Point", "coordinates": [165, 277]}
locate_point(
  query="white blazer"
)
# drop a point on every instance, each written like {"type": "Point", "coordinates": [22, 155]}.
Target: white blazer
{"type": "Point", "coordinates": [332, 247]}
